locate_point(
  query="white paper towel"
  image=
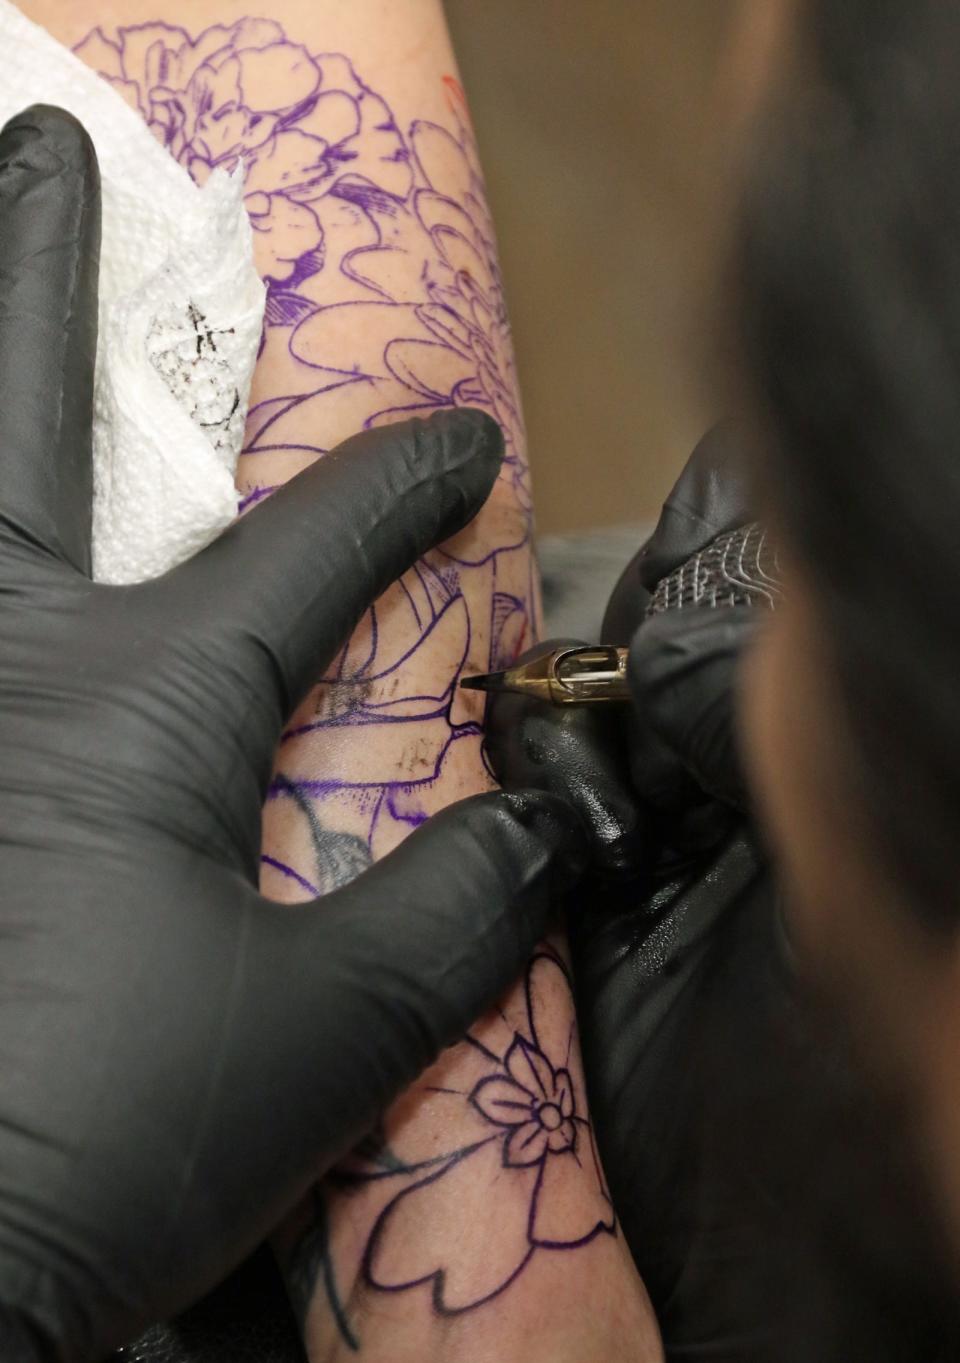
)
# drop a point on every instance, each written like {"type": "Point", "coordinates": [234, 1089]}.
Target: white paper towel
{"type": "Point", "coordinates": [181, 311]}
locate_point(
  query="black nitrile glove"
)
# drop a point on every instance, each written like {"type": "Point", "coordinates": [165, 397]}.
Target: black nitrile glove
{"type": "Point", "coordinates": [770, 1203]}
{"type": "Point", "coordinates": [683, 663]}
{"type": "Point", "coordinates": [678, 918]}
{"type": "Point", "coordinates": [578, 753]}
{"type": "Point", "coordinates": [180, 1057]}
{"type": "Point", "coordinates": [711, 496]}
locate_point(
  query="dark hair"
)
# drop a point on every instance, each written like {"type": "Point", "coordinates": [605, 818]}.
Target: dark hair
{"type": "Point", "coordinates": [849, 276]}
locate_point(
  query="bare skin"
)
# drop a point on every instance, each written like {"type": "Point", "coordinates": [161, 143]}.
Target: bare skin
{"type": "Point", "coordinates": [474, 1224]}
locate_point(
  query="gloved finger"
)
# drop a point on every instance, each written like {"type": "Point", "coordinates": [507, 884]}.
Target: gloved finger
{"type": "Point", "coordinates": [290, 580]}
{"type": "Point", "coordinates": [683, 673]}
{"type": "Point", "coordinates": [49, 269]}
{"type": "Point", "coordinates": [655, 979]}
{"type": "Point", "coordinates": [711, 496]}
{"type": "Point", "coordinates": [576, 752]}
{"type": "Point", "coordinates": [346, 1001]}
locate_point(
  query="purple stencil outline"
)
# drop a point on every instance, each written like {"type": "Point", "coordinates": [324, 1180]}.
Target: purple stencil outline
{"type": "Point", "coordinates": [383, 220]}
{"type": "Point", "coordinates": [290, 873]}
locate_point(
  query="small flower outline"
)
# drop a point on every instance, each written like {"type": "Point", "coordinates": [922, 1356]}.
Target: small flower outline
{"type": "Point", "coordinates": [533, 1101]}
{"type": "Point", "coordinates": [548, 1198]}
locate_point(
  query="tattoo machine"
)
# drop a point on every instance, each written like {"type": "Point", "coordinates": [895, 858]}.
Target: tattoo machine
{"type": "Point", "coordinates": [738, 568]}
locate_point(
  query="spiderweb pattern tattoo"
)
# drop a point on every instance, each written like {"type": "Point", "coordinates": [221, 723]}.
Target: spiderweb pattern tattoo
{"type": "Point", "coordinates": [384, 301]}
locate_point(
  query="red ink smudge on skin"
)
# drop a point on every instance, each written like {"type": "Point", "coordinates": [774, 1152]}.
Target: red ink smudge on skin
{"type": "Point", "coordinates": [521, 642]}
{"type": "Point", "coordinates": [456, 97]}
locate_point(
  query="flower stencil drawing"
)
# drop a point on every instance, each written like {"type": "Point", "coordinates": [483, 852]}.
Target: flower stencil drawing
{"type": "Point", "coordinates": [384, 302]}
{"type": "Point", "coordinates": [533, 1101]}
{"type": "Point", "coordinates": [527, 1181]}
{"type": "Point", "coordinates": [346, 210]}
{"type": "Point", "coordinates": [243, 91]}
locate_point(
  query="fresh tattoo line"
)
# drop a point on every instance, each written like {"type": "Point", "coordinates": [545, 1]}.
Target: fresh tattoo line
{"type": "Point", "coordinates": [524, 1146]}
{"type": "Point", "coordinates": [313, 1263]}
{"type": "Point", "coordinates": [533, 1127]}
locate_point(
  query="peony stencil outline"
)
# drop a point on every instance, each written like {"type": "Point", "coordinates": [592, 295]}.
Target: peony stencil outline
{"type": "Point", "coordinates": [394, 227]}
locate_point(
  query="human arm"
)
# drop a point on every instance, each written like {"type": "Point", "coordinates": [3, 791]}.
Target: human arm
{"type": "Point", "coordinates": [153, 1001]}
{"type": "Point", "coordinates": [384, 295]}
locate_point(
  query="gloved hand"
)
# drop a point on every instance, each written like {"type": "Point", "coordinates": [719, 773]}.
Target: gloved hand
{"type": "Point", "coordinates": [677, 930]}
{"type": "Point", "coordinates": [180, 1057]}
{"type": "Point", "coordinates": [771, 1201]}
{"type": "Point", "coordinates": [771, 1196]}
{"type": "Point", "coordinates": [683, 662]}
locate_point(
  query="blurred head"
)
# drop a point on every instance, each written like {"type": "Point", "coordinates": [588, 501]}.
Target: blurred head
{"type": "Point", "coordinates": [849, 276]}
